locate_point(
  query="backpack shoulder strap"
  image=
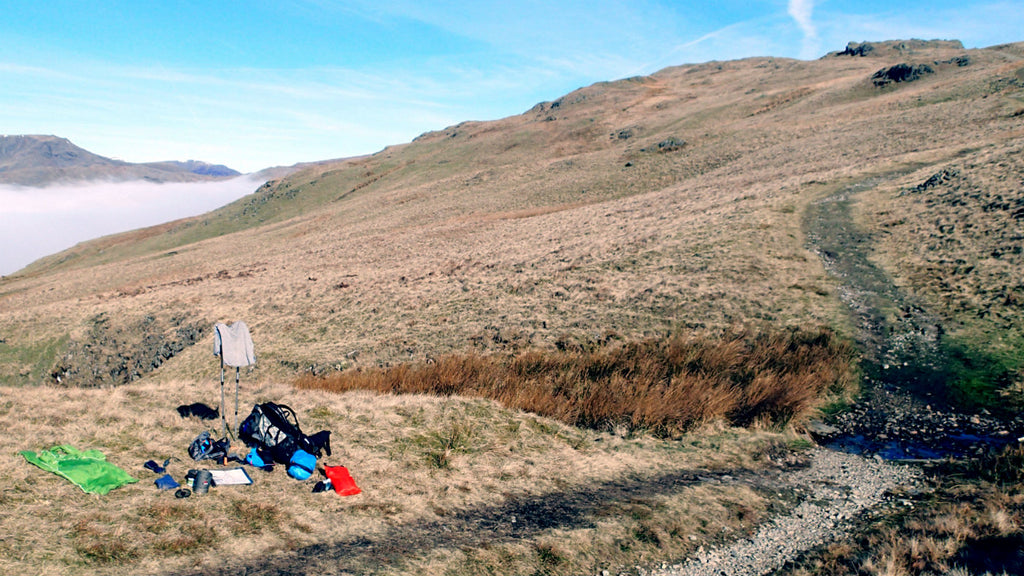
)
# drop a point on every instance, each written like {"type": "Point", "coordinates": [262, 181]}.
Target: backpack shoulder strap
{"type": "Point", "coordinates": [282, 417]}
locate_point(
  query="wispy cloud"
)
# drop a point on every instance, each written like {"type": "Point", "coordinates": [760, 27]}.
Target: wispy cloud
{"type": "Point", "coordinates": [802, 11]}
{"type": "Point", "coordinates": [36, 222]}
{"type": "Point", "coordinates": [161, 113]}
{"type": "Point", "coordinates": [734, 40]}
{"type": "Point", "coordinates": [599, 39]}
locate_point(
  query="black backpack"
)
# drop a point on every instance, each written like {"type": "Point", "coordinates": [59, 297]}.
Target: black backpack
{"type": "Point", "coordinates": [273, 428]}
{"type": "Point", "coordinates": [204, 447]}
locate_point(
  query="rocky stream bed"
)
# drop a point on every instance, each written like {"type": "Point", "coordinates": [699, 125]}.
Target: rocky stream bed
{"type": "Point", "coordinates": [903, 413]}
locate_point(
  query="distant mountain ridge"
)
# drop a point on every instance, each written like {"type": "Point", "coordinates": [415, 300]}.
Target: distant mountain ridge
{"type": "Point", "coordinates": [40, 160]}
{"type": "Point", "coordinates": [198, 167]}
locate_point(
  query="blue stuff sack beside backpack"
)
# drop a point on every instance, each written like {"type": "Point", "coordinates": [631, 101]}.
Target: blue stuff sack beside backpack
{"type": "Point", "coordinates": [301, 465]}
{"type": "Point", "coordinates": [253, 459]}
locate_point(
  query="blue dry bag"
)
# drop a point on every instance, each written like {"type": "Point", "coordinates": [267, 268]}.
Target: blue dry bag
{"type": "Point", "coordinates": [301, 465]}
{"type": "Point", "coordinates": [253, 459]}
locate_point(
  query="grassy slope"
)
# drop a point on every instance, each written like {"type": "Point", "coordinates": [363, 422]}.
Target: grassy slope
{"type": "Point", "coordinates": [563, 224]}
{"type": "Point", "coordinates": [567, 221]}
{"type": "Point", "coordinates": [434, 474]}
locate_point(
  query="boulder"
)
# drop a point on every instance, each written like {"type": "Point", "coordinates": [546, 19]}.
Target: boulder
{"type": "Point", "coordinates": [900, 73]}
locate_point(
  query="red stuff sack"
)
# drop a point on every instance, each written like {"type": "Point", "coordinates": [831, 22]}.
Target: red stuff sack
{"type": "Point", "coordinates": [341, 480]}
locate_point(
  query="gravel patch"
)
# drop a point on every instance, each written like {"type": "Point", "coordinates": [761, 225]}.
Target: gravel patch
{"type": "Point", "coordinates": [840, 487]}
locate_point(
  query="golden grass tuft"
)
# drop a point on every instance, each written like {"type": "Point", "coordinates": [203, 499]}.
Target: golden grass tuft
{"type": "Point", "coordinates": [253, 517]}
{"type": "Point", "coordinates": [189, 537]}
{"type": "Point", "coordinates": [100, 539]}
{"type": "Point", "coordinates": [666, 387]}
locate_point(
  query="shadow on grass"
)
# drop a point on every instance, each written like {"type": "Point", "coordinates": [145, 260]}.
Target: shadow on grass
{"type": "Point", "coordinates": [520, 519]}
{"type": "Point", "coordinates": [994, 555]}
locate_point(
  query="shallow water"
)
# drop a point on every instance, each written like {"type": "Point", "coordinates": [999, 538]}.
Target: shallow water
{"type": "Point", "coordinates": [956, 446]}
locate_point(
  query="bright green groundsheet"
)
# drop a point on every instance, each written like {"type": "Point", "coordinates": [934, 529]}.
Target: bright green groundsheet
{"type": "Point", "coordinates": [88, 470]}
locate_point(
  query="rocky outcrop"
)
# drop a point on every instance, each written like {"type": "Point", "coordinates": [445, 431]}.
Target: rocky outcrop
{"type": "Point", "coordinates": [114, 353]}
{"type": "Point", "coordinates": [944, 176]}
{"type": "Point", "coordinates": [861, 49]}
{"type": "Point", "coordinates": [900, 73]}
{"type": "Point", "coordinates": [857, 49]}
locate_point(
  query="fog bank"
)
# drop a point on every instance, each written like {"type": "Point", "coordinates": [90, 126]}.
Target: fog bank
{"type": "Point", "coordinates": [36, 222]}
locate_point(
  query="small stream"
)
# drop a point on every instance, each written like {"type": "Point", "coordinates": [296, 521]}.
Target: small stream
{"type": "Point", "coordinates": [903, 413]}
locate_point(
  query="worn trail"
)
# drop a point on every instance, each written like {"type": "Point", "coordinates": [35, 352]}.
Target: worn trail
{"type": "Point", "coordinates": [839, 487]}
{"type": "Point", "coordinates": [903, 413]}
{"type": "Point", "coordinates": [853, 478]}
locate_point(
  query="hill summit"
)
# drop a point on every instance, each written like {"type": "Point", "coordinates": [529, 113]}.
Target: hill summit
{"type": "Point", "coordinates": [39, 160]}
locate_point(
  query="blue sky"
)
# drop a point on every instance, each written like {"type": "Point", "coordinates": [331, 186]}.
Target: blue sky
{"type": "Point", "coordinates": [256, 83]}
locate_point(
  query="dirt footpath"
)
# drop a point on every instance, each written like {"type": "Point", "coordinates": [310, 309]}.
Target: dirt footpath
{"type": "Point", "coordinates": [839, 488]}
{"type": "Point", "coordinates": [903, 413]}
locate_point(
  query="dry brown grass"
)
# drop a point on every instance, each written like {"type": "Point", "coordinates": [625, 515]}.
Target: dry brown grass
{"type": "Point", "coordinates": [561, 223]}
{"type": "Point", "coordinates": [442, 479]}
{"type": "Point", "coordinates": [666, 387]}
{"type": "Point", "coordinates": [558, 228]}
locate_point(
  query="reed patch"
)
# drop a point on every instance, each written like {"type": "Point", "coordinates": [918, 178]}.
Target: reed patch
{"type": "Point", "coordinates": [665, 387]}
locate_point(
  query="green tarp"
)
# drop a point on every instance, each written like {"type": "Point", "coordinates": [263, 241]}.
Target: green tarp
{"type": "Point", "coordinates": [88, 470]}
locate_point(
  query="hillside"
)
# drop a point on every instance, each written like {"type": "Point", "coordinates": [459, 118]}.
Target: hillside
{"type": "Point", "coordinates": [583, 245]}
{"type": "Point", "coordinates": [667, 203]}
{"type": "Point", "coordinates": [33, 160]}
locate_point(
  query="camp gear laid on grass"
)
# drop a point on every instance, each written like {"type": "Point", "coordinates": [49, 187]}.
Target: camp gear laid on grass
{"type": "Point", "coordinates": [274, 428]}
{"type": "Point", "coordinates": [230, 477]}
{"type": "Point", "coordinates": [200, 480]}
{"type": "Point", "coordinates": [257, 460]}
{"type": "Point", "coordinates": [182, 493]}
{"type": "Point", "coordinates": [321, 441]}
{"type": "Point", "coordinates": [234, 346]}
{"type": "Point", "coordinates": [89, 470]}
{"type": "Point", "coordinates": [341, 480]}
{"type": "Point", "coordinates": [204, 447]}
{"type": "Point", "coordinates": [152, 465]}
{"type": "Point", "coordinates": [166, 482]}
{"type": "Point", "coordinates": [253, 458]}
{"type": "Point", "coordinates": [301, 465]}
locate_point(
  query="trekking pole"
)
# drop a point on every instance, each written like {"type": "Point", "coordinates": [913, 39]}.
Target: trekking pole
{"type": "Point", "coordinates": [223, 417]}
{"type": "Point", "coordinates": [236, 400]}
